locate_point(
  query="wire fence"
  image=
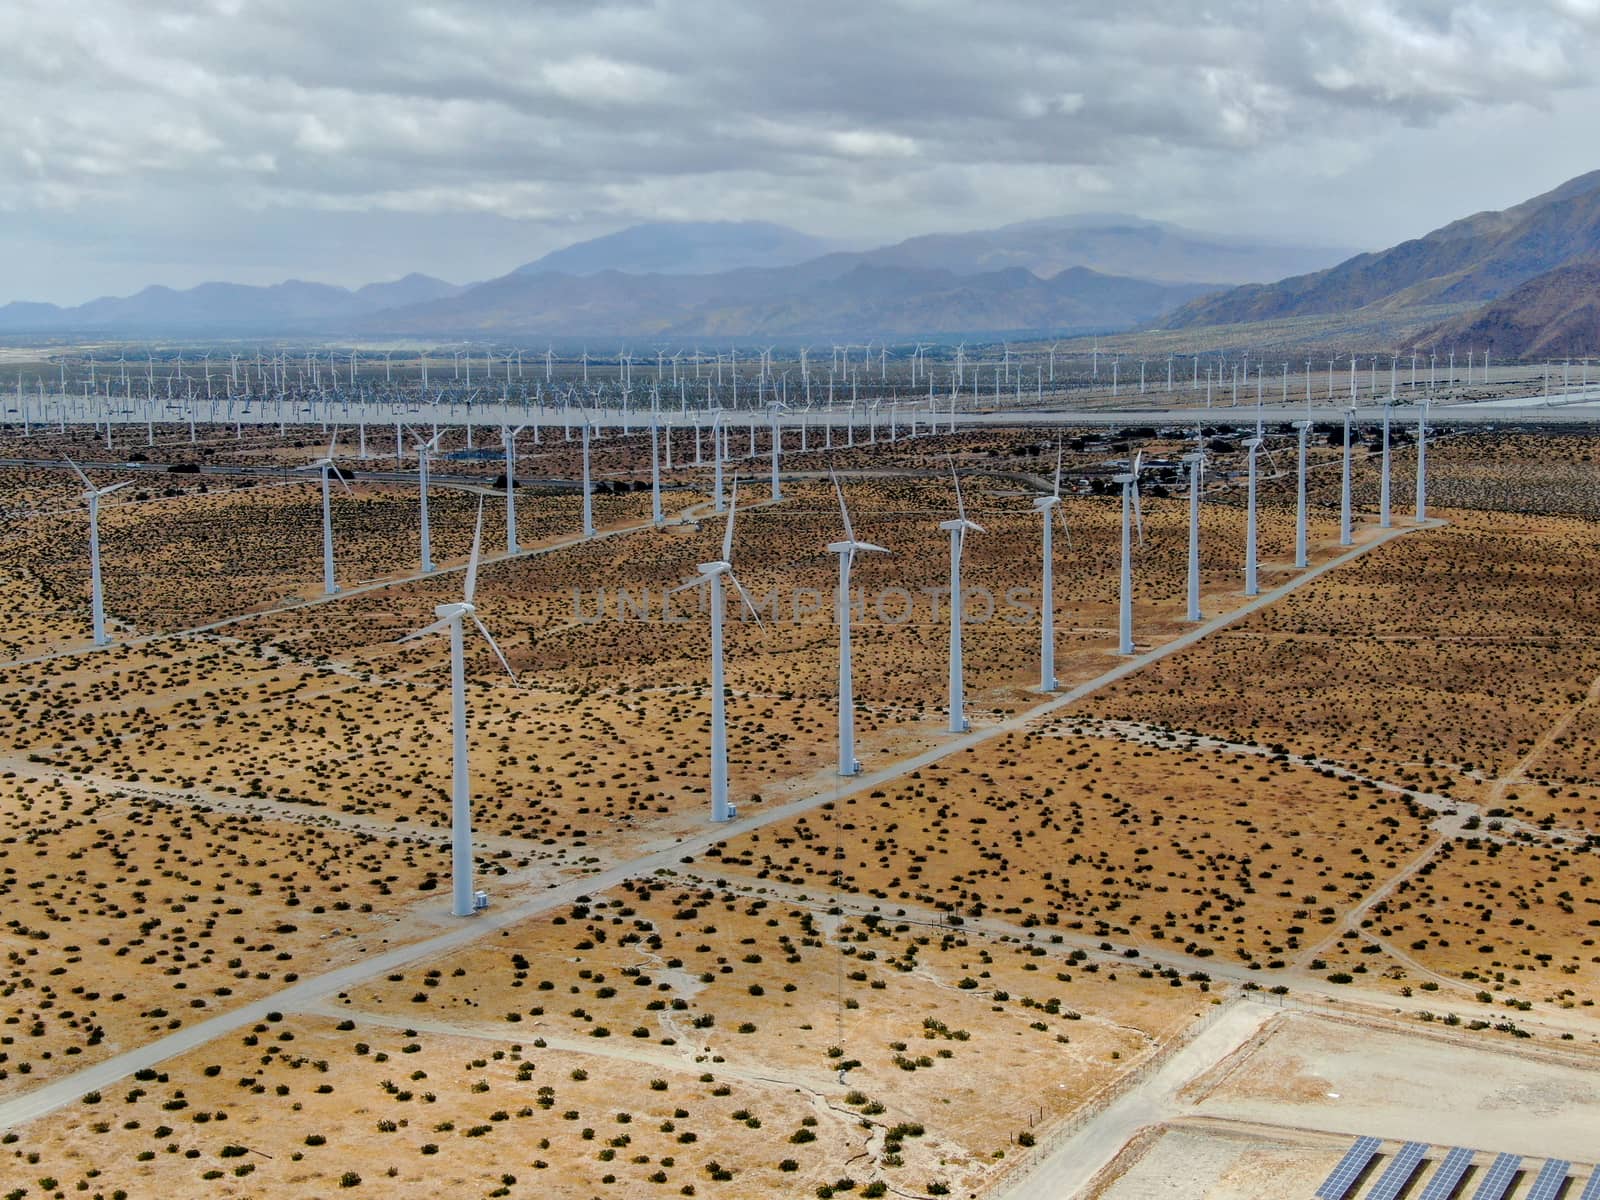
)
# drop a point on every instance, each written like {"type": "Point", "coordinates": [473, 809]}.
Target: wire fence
{"type": "Point", "coordinates": [1107, 1094]}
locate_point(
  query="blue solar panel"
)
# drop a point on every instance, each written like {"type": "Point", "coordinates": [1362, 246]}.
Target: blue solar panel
{"type": "Point", "coordinates": [1443, 1184]}
{"type": "Point", "coordinates": [1344, 1175]}
{"type": "Point", "coordinates": [1398, 1173]}
{"type": "Point", "coordinates": [1592, 1191]}
{"type": "Point", "coordinates": [1551, 1177]}
{"type": "Point", "coordinates": [1500, 1174]}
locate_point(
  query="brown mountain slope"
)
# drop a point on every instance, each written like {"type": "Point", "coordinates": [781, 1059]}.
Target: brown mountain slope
{"type": "Point", "coordinates": [1477, 258]}
{"type": "Point", "coordinates": [1554, 315]}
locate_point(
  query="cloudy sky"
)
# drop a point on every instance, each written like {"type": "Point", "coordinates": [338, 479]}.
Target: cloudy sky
{"type": "Point", "coordinates": [174, 141]}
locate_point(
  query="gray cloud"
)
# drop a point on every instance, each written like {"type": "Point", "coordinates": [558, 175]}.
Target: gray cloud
{"type": "Point", "coordinates": [176, 140]}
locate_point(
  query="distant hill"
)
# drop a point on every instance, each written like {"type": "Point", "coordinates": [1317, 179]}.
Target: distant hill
{"type": "Point", "coordinates": [1475, 259]}
{"type": "Point", "coordinates": [412, 289]}
{"type": "Point", "coordinates": [225, 307]}
{"type": "Point", "coordinates": [833, 296]}
{"type": "Point", "coordinates": [1554, 315]}
{"type": "Point", "coordinates": [1111, 243]}
{"type": "Point", "coordinates": [683, 248]}
{"type": "Point", "coordinates": [1094, 272]}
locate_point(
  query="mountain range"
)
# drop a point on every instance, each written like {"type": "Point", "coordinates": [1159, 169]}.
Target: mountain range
{"type": "Point", "coordinates": [1554, 315]}
{"type": "Point", "coordinates": [1469, 262]}
{"type": "Point", "coordinates": [1090, 273]}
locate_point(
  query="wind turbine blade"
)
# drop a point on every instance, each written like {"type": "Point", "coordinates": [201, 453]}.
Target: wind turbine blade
{"type": "Point", "coordinates": [844, 512]}
{"type": "Point", "coordinates": [332, 442]}
{"type": "Point", "coordinates": [79, 473]}
{"type": "Point", "coordinates": [1066, 530]}
{"type": "Point", "coordinates": [961, 507]}
{"type": "Point", "coordinates": [745, 596]}
{"type": "Point", "coordinates": [115, 487]}
{"type": "Point", "coordinates": [1058, 466]}
{"type": "Point", "coordinates": [439, 626]}
{"type": "Point", "coordinates": [488, 637]}
{"type": "Point", "coordinates": [727, 533]}
{"type": "Point", "coordinates": [1138, 512]}
{"type": "Point", "coordinates": [472, 563]}
{"type": "Point", "coordinates": [684, 587]}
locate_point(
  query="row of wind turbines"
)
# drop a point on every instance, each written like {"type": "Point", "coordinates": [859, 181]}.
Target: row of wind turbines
{"type": "Point", "coordinates": [453, 617]}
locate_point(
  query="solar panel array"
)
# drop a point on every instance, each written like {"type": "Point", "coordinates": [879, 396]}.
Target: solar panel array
{"type": "Point", "coordinates": [1449, 1174]}
{"type": "Point", "coordinates": [1400, 1169]}
{"type": "Point", "coordinates": [1498, 1178]}
{"type": "Point", "coordinates": [1550, 1179]}
{"type": "Point", "coordinates": [1592, 1192]}
{"type": "Point", "coordinates": [1343, 1176]}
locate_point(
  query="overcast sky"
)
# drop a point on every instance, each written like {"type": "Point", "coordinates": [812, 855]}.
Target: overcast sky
{"type": "Point", "coordinates": [175, 141]}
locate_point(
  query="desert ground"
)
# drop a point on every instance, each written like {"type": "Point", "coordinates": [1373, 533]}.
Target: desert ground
{"type": "Point", "coordinates": [1347, 825]}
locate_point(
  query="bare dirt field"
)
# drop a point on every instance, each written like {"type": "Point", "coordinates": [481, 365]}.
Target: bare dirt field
{"type": "Point", "coordinates": [1380, 787]}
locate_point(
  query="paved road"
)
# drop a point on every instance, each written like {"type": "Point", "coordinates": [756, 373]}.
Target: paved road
{"type": "Point", "coordinates": [1070, 1166]}
{"type": "Point", "coordinates": [307, 993]}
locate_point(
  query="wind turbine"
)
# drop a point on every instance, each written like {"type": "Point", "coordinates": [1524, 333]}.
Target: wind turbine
{"type": "Point", "coordinates": [1197, 467]}
{"type": "Point", "coordinates": [325, 464]}
{"type": "Point", "coordinates": [1385, 518]}
{"type": "Point", "coordinates": [1130, 507]}
{"type": "Point", "coordinates": [1300, 558]}
{"type": "Point", "coordinates": [1345, 536]}
{"type": "Point", "coordinates": [97, 603]}
{"type": "Point", "coordinates": [508, 438]}
{"type": "Point", "coordinates": [712, 573]}
{"type": "Point", "coordinates": [588, 496]}
{"type": "Point", "coordinates": [846, 550]}
{"type": "Point", "coordinates": [1047, 615]}
{"type": "Point", "coordinates": [1422, 461]}
{"type": "Point", "coordinates": [1251, 584]}
{"type": "Point", "coordinates": [453, 617]}
{"type": "Point", "coordinates": [425, 450]}
{"type": "Point", "coordinates": [957, 529]}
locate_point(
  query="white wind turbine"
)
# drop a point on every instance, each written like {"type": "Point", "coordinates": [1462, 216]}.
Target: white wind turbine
{"type": "Point", "coordinates": [957, 529]}
{"type": "Point", "coordinates": [1130, 507]}
{"type": "Point", "coordinates": [1047, 615]}
{"type": "Point", "coordinates": [1251, 583]}
{"type": "Point", "coordinates": [97, 604]}
{"type": "Point", "coordinates": [712, 573]}
{"type": "Point", "coordinates": [1303, 428]}
{"type": "Point", "coordinates": [325, 465]}
{"type": "Point", "coordinates": [1345, 519]}
{"type": "Point", "coordinates": [453, 617]}
{"type": "Point", "coordinates": [846, 550]}
{"type": "Point", "coordinates": [508, 438]}
{"type": "Point", "coordinates": [1385, 517]}
{"type": "Point", "coordinates": [588, 495]}
{"type": "Point", "coordinates": [1197, 467]}
{"type": "Point", "coordinates": [1422, 461]}
{"type": "Point", "coordinates": [425, 451]}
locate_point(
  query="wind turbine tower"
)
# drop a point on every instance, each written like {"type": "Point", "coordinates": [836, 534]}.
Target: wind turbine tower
{"type": "Point", "coordinates": [1251, 583]}
{"type": "Point", "coordinates": [1303, 428]}
{"type": "Point", "coordinates": [1130, 507]}
{"type": "Point", "coordinates": [452, 618]}
{"type": "Point", "coordinates": [1046, 506]}
{"type": "Point", "coordinates": [97, 602]}
{"type": "Point", "coordinates": [957, 529]}
{"type": "Point", "coordinates": [847, 550]}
